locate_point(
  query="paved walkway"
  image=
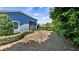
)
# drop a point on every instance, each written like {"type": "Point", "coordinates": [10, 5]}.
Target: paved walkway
{"type": "Point", "coordinates": [39, 41]}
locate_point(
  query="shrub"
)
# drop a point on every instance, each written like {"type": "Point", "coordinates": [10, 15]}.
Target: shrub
{"type": "Point", "coordinates": [6, 27]}
{"type": "Point", "coordinates": [12, 38]}
{"type": "Point", "coordinates": [48, 26]}
{"type": "Point", "coordinates": [66, 23]}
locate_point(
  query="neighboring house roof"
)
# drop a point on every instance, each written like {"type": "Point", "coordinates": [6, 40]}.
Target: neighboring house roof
{"type": "Point", "coordinates": [6, 11]}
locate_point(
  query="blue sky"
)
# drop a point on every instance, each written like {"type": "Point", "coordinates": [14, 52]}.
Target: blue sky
{"type": "Point", "coordinates": [40, 13]}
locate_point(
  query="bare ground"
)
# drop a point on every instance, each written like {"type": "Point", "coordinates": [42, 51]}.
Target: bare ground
{"type": "Point", "coordinates": [40, 41]}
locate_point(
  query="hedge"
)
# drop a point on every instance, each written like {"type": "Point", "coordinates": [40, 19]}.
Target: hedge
{"type": "Point", "coordinates": [12, 38]}
{"type": "Point", "coordinates": [66, 23]}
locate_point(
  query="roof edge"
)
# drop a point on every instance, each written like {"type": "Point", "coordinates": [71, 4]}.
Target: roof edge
{"type": "Point", "coordinates": [6, 11]}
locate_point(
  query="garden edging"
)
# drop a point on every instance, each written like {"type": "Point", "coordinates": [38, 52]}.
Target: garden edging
{"type": "Point", "coordinates": [12, 38]}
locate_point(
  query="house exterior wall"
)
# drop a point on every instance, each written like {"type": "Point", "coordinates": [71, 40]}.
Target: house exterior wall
{"type": "Point", "coordinates": [32, 25]}
{"type": "Point", "coordinates": [23, 19]}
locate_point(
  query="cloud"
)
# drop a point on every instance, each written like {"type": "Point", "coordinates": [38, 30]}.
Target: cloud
{"type": "Point", "coordinates": [40, 13]}
{"type": "Point", "coordinates": [29, 9]}
{"type": "Point", "coordinates": [46, 17]}
{"type": "Point", "coordinates": [42, 18]}
{"type": "Point", "coordinates": [36, 14]}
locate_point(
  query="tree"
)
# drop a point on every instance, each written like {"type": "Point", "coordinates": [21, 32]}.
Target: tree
{"type": "Point", "coordinates": [6, 26]}
{"type": "Point", "coordinates": [66, 22]}
{"type": "Point", "coordinates": [48, 26]}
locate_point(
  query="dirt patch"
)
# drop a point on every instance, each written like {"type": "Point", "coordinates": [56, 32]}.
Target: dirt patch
{"type": "Point", "coordinates": [39, 36]}
{"type": "Point", "coordinates": [39, 41]}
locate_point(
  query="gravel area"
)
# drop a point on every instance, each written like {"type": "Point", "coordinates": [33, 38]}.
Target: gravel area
{"type": "Point", "coordinates": [40, 41]}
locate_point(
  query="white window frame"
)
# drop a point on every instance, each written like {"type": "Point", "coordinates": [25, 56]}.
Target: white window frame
{"type": "Point", "coordinates": [18, 25]}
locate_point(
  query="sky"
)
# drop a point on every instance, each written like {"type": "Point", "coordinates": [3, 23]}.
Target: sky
{"type": "Point", "coordinates": [39, 13]}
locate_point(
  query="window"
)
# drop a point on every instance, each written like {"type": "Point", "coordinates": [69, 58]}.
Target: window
{"type": "Point", "coordinates": [16, 24]}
